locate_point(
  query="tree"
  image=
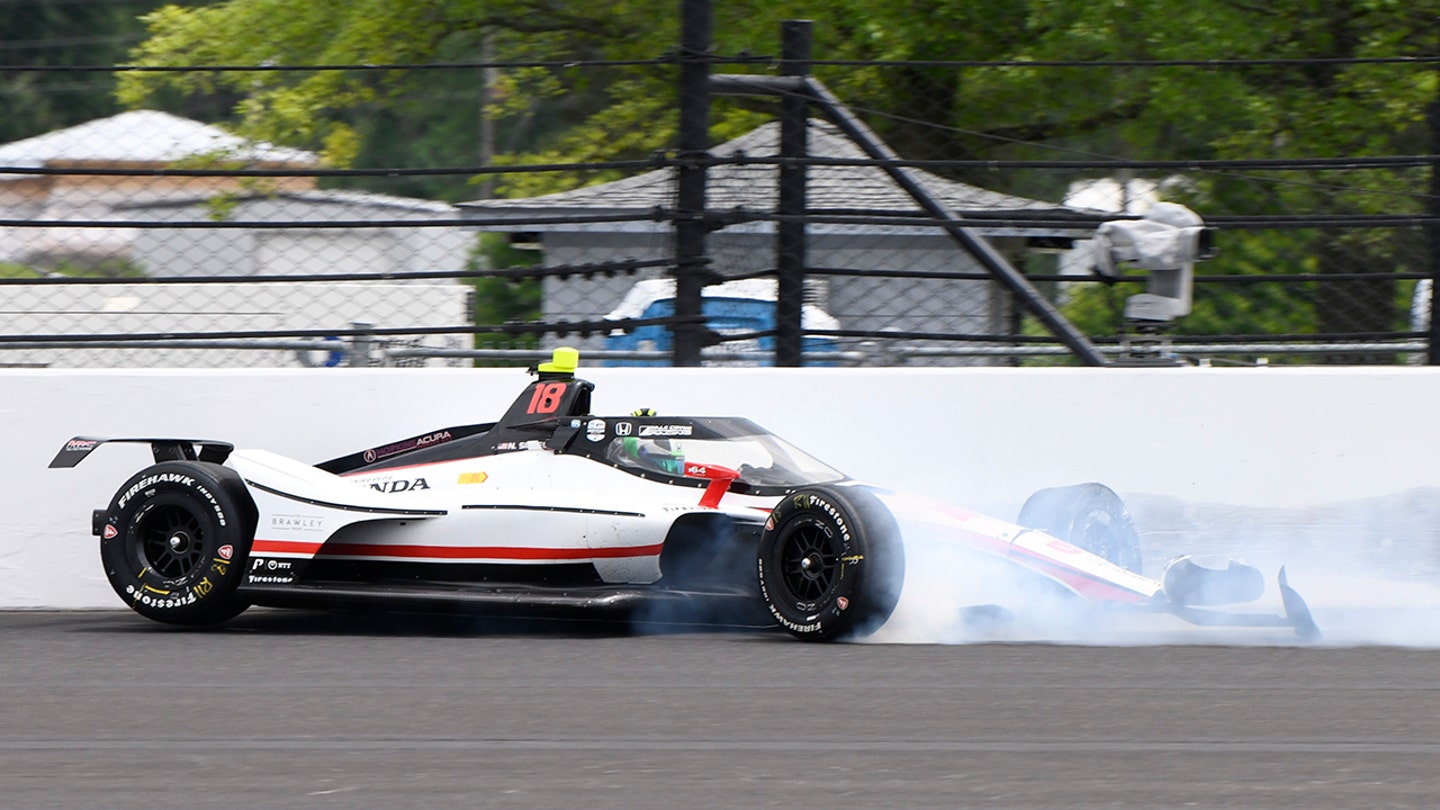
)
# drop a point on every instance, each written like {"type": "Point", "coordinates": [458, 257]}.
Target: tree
{"type": "Point", "coordinates": [41, 39]}
{"type": "Point", "coordinates": [924, 106]}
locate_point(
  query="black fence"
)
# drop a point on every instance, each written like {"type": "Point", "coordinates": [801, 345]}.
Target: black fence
{"type": "Point", "coordinates": [842, 218]}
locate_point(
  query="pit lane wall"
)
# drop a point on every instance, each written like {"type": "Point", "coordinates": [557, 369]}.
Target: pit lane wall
{"type": "Point", "coordinates": [981, 438]}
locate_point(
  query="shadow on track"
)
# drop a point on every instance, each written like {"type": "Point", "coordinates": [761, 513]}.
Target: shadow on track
{"type": "Point", "coordinates": [382, 624]}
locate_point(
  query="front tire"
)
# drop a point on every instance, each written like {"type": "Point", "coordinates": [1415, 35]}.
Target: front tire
{"type": "Point", "coordinates": [175, 542]}
{"type": "Point", "coordinates": [1087, 516]}
{"type": "Point", "coordinates": [830, 563]}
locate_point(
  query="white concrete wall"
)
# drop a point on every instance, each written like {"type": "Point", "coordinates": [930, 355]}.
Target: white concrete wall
{"type": "Point", "coordinates": [983, 438]}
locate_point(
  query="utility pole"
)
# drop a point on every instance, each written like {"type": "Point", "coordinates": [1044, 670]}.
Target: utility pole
{"type": "Point", "coordinates": [790, 257]}
{"type": "Point", "coordinates": [691, 264]}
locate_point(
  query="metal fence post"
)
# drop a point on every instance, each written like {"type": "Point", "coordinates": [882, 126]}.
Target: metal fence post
{"type": "Point", "coordinates": [795, 39]}
{"type": "Point", "coordinates": [1432, 355]}
{"type": "Point", "coordinates": [362, 345]}
{"type": "Point", "coordinates": [690, 261]}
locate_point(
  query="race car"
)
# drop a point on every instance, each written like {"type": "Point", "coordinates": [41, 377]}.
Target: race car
{"type": "Point", "coordinates": [552, 509]}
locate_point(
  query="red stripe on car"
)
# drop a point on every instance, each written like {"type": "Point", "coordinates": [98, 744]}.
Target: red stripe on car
{"type": "Point", "coordinates": [284, 546]}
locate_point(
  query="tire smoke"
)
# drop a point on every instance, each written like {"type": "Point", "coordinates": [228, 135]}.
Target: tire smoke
{"type": "Point", "coordinates": [1369, 570]}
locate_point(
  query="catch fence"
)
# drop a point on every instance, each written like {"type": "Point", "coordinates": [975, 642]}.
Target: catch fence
{"type": "Point", "coordinates": [841, 222]}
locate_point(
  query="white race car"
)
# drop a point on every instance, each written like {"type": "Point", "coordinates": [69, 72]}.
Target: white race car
{"type": "Point", "coordinates": [555, 510]}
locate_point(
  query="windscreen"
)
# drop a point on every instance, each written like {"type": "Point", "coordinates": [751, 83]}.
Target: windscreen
{"type": "Point", "coordinates": [762, 459]}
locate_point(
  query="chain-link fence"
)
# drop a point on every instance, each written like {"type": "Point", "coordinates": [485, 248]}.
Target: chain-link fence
{"type": "Point", "coordinates": [148, 239]}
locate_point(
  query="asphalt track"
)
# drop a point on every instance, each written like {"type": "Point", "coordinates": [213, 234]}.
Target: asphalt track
{"type": "Point", "coordinates": [294, 710]}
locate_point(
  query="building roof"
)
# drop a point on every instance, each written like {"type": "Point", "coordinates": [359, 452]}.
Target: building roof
{"type": "Point", "coordinates": [755, 187]}
{"type": "Point", "coordinates": [341, 197]}
{"type": "Point", "coordinates": [141, 136]}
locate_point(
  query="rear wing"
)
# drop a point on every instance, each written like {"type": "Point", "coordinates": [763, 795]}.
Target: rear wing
{"type": "Point", "coordinates": [78, 448]}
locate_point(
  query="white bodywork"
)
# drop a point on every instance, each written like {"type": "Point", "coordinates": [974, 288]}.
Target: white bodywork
{"type": "Point", "coordinates": [1086, 574]}
{"type": "Point", "coordinates": [526, 507]}
{"type": "Point", "coordinates": [536, 507]}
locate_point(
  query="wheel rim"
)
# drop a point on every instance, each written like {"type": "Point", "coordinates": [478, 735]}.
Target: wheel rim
{"type": "Point", "coordinates": [172, 541]}
{"type": "Point", "coordinates": [809, 561]}
{"type": "Point", "coordinates": [1095, 535]}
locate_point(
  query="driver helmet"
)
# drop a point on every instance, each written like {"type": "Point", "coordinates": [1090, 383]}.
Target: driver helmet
{"type": "Point", "coordinates": [649, 454]}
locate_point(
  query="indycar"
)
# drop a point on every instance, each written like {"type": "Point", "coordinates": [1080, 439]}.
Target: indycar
{"type": "Point", "coordinates": [553, 509]}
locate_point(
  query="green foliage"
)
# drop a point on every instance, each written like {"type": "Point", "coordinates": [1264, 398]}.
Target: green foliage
{"type": "Point", "coordinates": [48, 34]}
{"type": "Point", "coordinates": [560, 113]}
{"type": "Point", "coordinates": [498, 300]}
{"type": "Point", "coordinates": [105, 268]}
{"type": "Point", "coordinates": [12, 270]}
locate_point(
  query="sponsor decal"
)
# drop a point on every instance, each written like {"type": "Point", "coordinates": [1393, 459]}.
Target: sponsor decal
{"type": "Point", "coordinates": [275, 572]}
{"type": "Point", "coordinates": [665, 430]}
{"type": "Point", "coordinates": [472, 478]}
{"type": "Point", "coordinates": [842, 602]}
{"type": "Point", "coordinates": [775, 612]}
{"type": "Point", "coordinates": [151, 480]}
{"type": "Point", "coordinates": [375, 454]}
{"type": "Point", "coordinates": [76, 445]}
{"type": "Point", "coordinates": [297, 523]}
{"type": "Point", "coordinates": [109, 532]}
{"type": "Point", "coordinates": [147, 483]}
{"type": "Point", "coordinates": [508, 446]}
{"type": "Point", "coordinates": [623, 428]}
{"type": "Point", "coordinates": [157, 598]}
{"type": "Point", "coordinates": [400, 485]}
{"type": "Point", "coordinates": [226, 551]}
{"type": "Point", "coordinates": [595, 430]}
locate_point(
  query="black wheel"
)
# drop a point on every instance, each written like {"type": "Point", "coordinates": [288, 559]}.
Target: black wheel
{"type": "Point", "coordinates": [830, 563]}
{"type": "Point", "coordinates": [1088, 516]}
{"type": "Point", "coordinates": [175, 541]}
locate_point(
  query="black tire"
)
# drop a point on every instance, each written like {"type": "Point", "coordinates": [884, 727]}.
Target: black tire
{"type": "Point", "coordinates": [1088, 516]}
{"type": "Point", "coordinates": [175, 542]}
{"type": "Point", "coordinates": [831, 563]}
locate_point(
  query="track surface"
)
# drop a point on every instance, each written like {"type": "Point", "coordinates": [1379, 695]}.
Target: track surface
{"type": "Point", "coordinates": [282, 710]}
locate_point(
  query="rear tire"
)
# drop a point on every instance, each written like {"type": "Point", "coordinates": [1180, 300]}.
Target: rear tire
{"type": "Point", "coordinates": [1087, 516]}
{"type": "Point", "coordinates": [175, 542]}
{"type": "Point", "coordinates": [831, 563]}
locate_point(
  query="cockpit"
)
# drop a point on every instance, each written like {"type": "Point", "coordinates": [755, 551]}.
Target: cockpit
{"type": "Point", "coordinates": [761, 459]}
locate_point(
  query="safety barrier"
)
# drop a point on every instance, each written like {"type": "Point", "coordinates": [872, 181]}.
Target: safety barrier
{"type": "Point", "coordinates": [981, 438]}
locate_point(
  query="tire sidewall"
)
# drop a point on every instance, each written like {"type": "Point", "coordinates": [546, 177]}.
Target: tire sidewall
{"type": "Point", "coordinates": [1066, 511]}
{"type": "Point", "coordinates": [855, 601]}
{"type": "Point", "coordinates": [205, 592]}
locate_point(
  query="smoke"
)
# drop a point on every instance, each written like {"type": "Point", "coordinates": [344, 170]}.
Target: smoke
{"type": "Point", "coordinates": [1369, 570]}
